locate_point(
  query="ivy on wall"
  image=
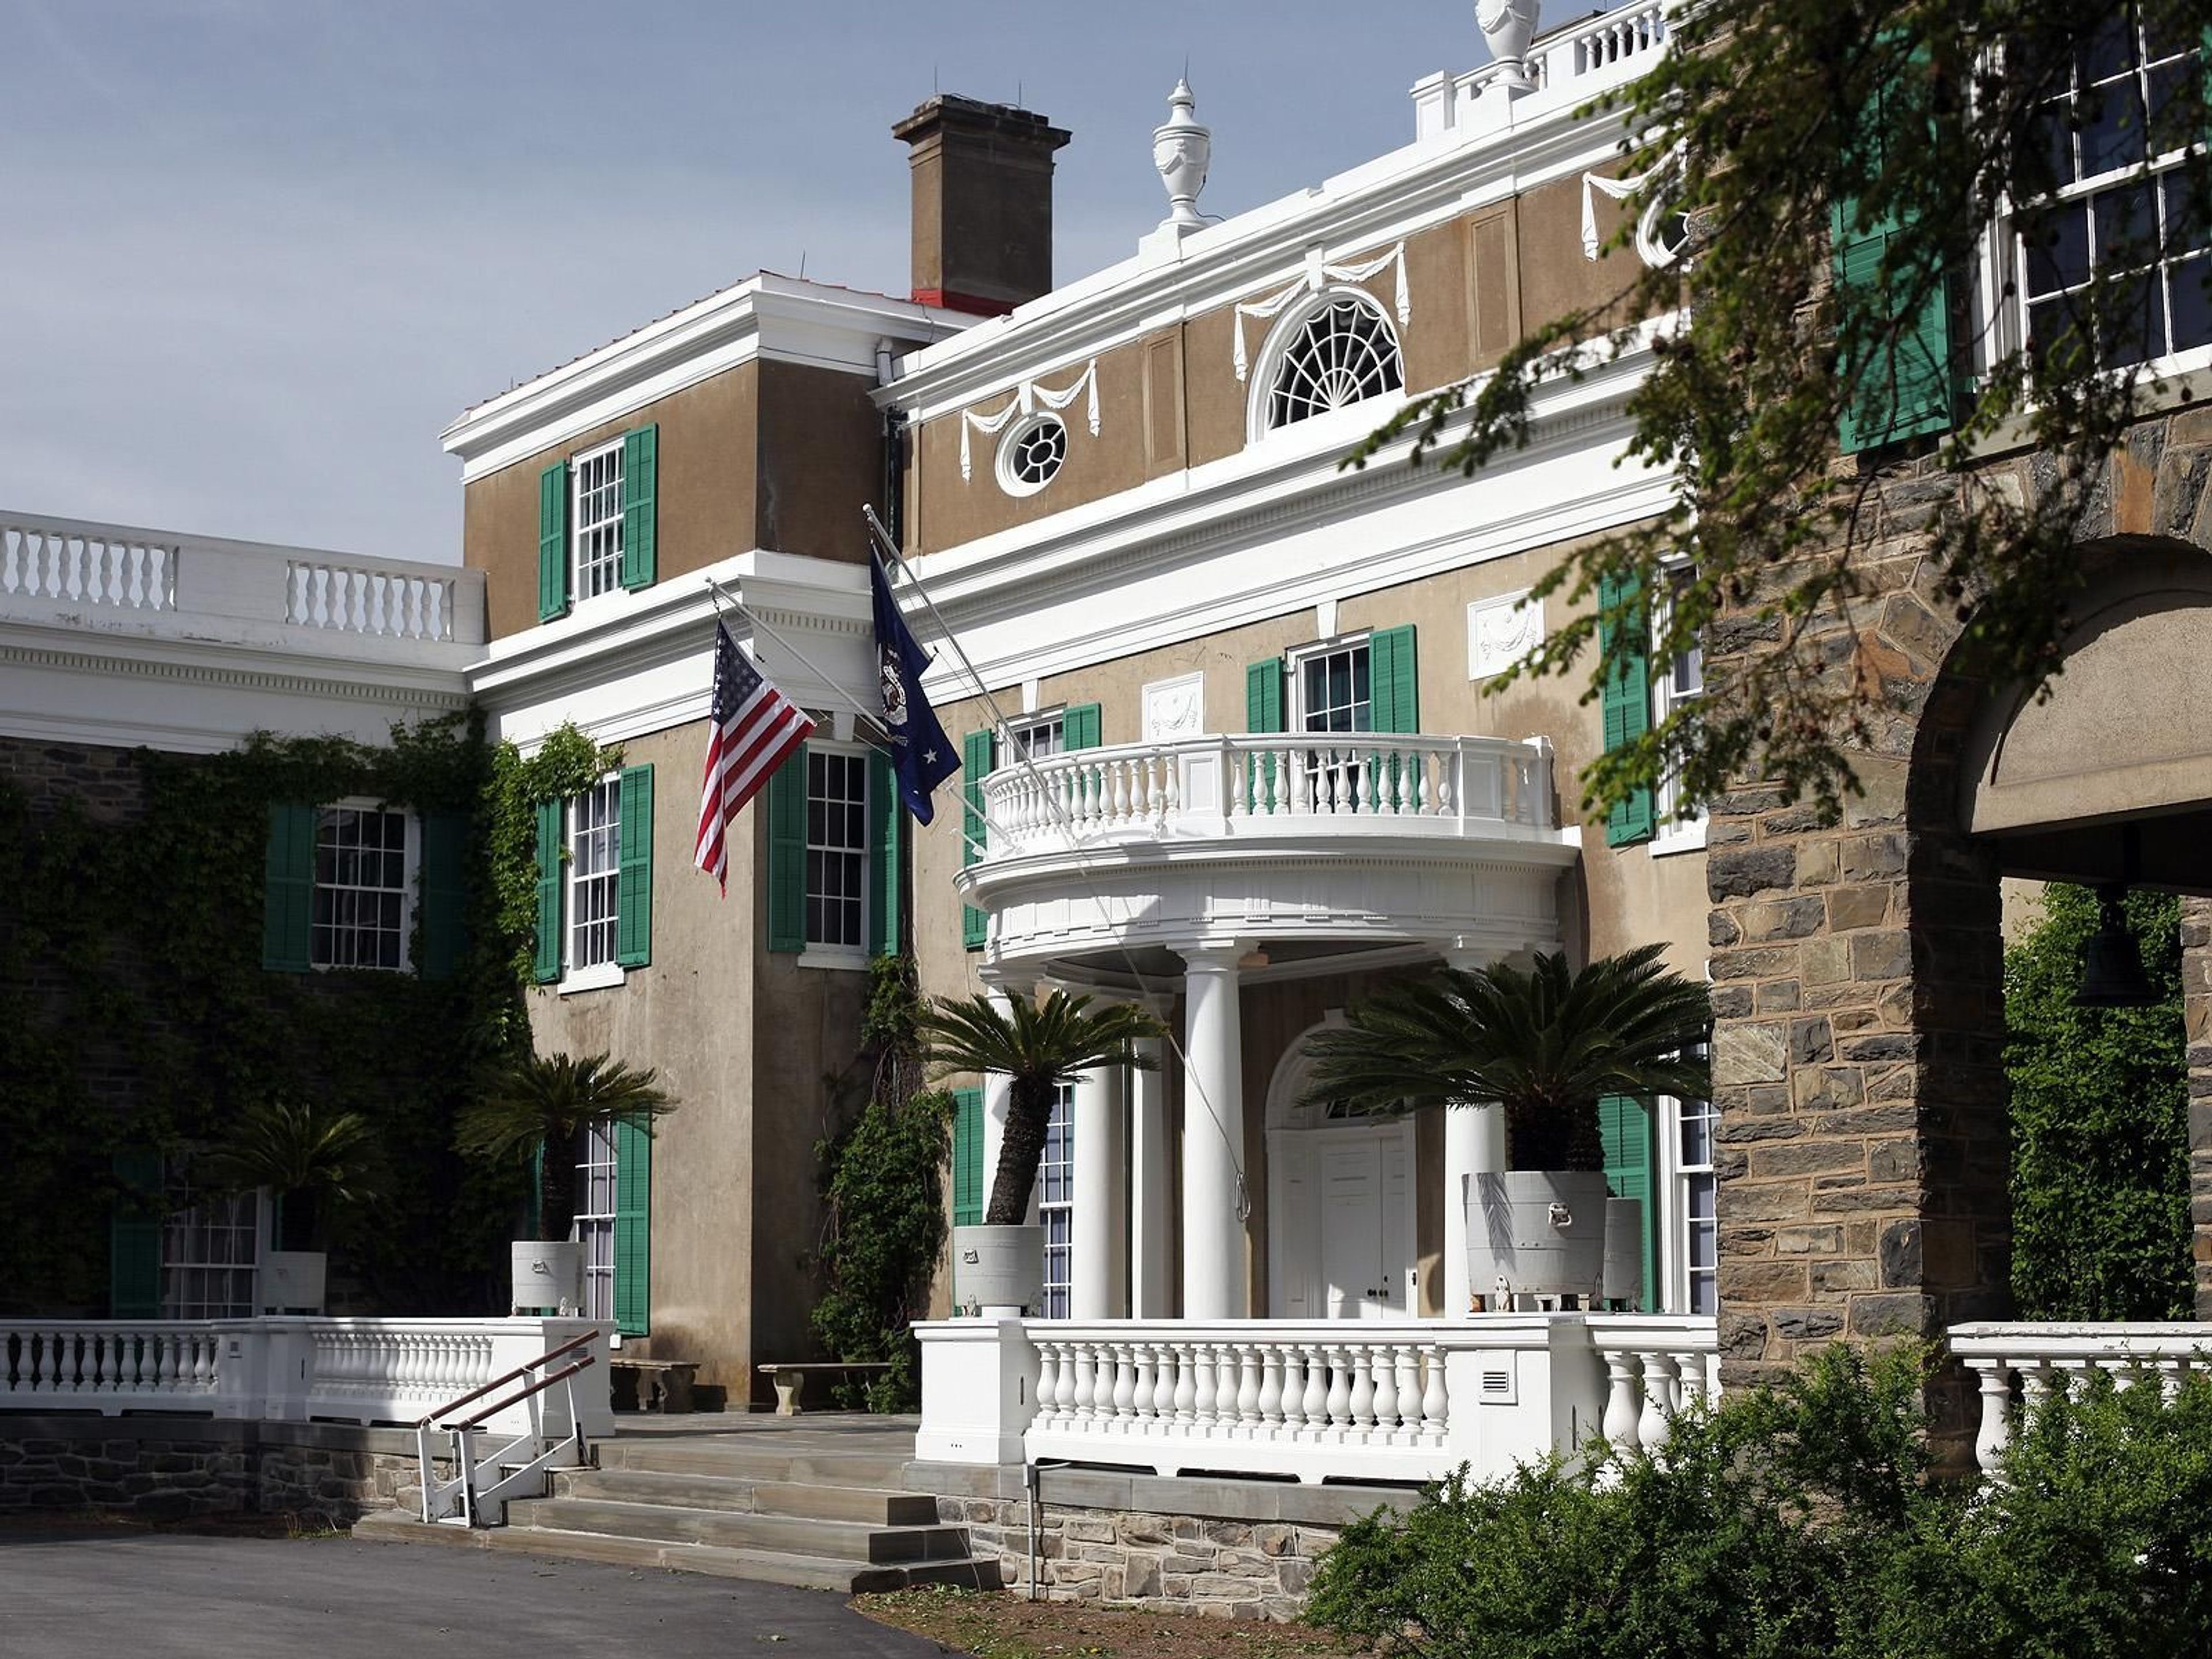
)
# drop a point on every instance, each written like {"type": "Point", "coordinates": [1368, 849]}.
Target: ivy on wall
{"type": "Point", "coordinates": [882, 1197]}
{"type": "Point", "coordinates": [135, 1011]}
{"type": "Point", "coordinates": [2099, 1122]}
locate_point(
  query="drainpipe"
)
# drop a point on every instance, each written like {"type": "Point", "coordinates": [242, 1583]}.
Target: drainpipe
{"type": "Point", "coordinates": [1032, 1481]}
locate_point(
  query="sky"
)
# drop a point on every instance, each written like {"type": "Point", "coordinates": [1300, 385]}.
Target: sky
{"type": "Point", "coordinates": [256, 254]}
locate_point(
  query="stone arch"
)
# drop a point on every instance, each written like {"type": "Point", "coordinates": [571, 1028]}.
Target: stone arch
{"type": "Point", "coordinates": [1858, 966]}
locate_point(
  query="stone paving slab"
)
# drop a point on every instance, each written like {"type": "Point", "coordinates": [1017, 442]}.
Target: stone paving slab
{"type": "Point", "coordinates": [169, 1595]}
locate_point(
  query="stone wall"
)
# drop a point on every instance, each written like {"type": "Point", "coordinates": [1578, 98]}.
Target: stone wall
{"type": "Point", "coordinates": [1857, 966]}
{"type": "Point", "coordinates": [170, 1468]}
{"type": "Point", "coordinates": [1226, 1548]}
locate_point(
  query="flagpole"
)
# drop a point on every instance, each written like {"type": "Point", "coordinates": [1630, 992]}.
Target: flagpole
{"type": "Point", "coordinates": [1066, 822]}
{"type": "Point", "coordinates": [723, 596]}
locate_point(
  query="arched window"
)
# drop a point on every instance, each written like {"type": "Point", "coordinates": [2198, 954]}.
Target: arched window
{"type": "Point", "coordinates": [1344, 352]}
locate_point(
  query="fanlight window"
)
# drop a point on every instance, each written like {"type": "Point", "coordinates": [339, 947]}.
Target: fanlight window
{"type": "Point", "coordinates": [1344, 354]}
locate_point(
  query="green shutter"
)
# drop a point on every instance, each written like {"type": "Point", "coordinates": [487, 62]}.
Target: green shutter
{"type": "Point", "coordinates": [553, 541]}
{"type": "Point", "coordinates": [634, 871]}
{"type": "Point", "coordinates": [978, 755]}
{"type": "Point", "coordinates": [444, 893]}
{"type": "Point", "coordinates": [134, 1236]}
{"type": "Point", "coordinates": [1905, 387]}
{"type": "Point", "coordinates": [288, 893]}
{"type": "Point", "coordinates": [884, 821]}
{"type": "Point", "coordinates": [966, 1157]}
{"type": "Point", "coordinates": [1626, 1125]}
{"type": "Point", "coordinates": [633, 1228]}
{"type": "Point", "coordinates": [1394, 681]}
{"type": "Point", "coordinates": [1263, 712]}
{"type": "Point", "coordinates": [787, 853]}
{"type": "Point", "coordinates": [547, 965]}
{"type": "Point", "coordinates": [1079, 727]}
{"type": "Point", "coordinates": [1625, 655]}
{"type": "Point", "coordinates": [641, 490]}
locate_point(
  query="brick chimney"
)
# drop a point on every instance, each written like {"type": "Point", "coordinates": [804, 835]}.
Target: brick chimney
{"type": "Point", "coordinates": [982, 203]}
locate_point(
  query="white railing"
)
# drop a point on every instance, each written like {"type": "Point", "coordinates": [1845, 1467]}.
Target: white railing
{"type": "Point", "coordinates": [87, 564]}
{"type": "Point", "coordinates": [75, 571]}
{"type": "Point", "coordinates": [1272, 783]}
{"type": "Point", "coordinates": [1350, 1400]}
{"type": "Point", "coordinates": [1569, 67]}
{"type": "Point", "coordinates": [2044, 1362]}
{"type": "Point", "coordinates": [288, 1369]}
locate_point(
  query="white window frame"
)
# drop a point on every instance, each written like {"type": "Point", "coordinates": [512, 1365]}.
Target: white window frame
{"type": "Point", "coordinates": [1679, 1180]}
{"type": "Point", "coordinates": [2003, 300]}
{"type": "Point", "coordinates": [1035, 737]}
{"type": "Point", "coordinates": [191, 1217]}
{"type": "Point", "coordinates": [1008, 468]}
{"type": "Point", "coordinates": [1259, 423]}
{"type": "Point", "coordinates": [608, 527]}
{"type": "Point", "coordinates": [1297, 712]}
{"type": "Point", "coordinates": [1671, 835]}
{"type": "Point", "coordinates": [1056, 1178]}
{"type": "Point", "coordinates": [410, 885]}
{"type": "Point", "coordinates": [821, 953]}
{"type": "Point", "coordinates": [597, 1170]}
{"type": "Point", "coordinates": [596, 974]}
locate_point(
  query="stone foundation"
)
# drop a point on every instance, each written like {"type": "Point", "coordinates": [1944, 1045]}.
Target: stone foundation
{"type": "Point", "coordinates": [170, 1468]}
{"type": "Point", "coordinates": [1226, 1548]}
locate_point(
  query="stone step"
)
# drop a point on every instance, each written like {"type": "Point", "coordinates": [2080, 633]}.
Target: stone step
{"type": "Point", "coordinates": [810, 1467]}
{"type": "Point", "coordinates": [722, 1492]}
{"type": "Point", "coordinates": [849, 1540]}
{"type": "Point", "coordinates": [765, 1567]}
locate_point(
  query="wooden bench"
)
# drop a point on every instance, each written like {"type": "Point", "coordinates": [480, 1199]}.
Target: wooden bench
{"type": "Point", "coordinates": [651, 1385]}
{"type": "Point", "coordinates": [790, 1380]}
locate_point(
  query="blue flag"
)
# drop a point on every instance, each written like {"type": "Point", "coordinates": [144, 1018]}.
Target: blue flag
{"type": "Point", "coordinates": [919, 754]}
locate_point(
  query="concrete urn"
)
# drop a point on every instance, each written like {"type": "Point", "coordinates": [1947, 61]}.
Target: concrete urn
{"type": "Point", "coordinates": [998, 1272]}
{"type": "Point", "coordinates": [548, 1274]}
{"type": "Point", "coordinates": [1508, 26]}
{"type": "Point", "coordinates": [1183, 151]}
{"type": "Point", "coordinates": [1542, 1231]}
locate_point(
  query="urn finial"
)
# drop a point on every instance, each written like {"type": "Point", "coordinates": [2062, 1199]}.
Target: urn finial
{"type": "Point", "coordinates": [1508, 27]}
{"type": "Point", "coordinates": [1181, 151]}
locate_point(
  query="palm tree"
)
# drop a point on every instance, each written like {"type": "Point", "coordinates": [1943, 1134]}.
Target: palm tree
{"type": "Point", "coordinates": [551, 1102]}
{"type": "Point", "coordinates": [316, 1160]}
{"type": "Point", "coordinates": [1038, 1046]}
{"type": "Point", "coordinates": [1546, 1044]}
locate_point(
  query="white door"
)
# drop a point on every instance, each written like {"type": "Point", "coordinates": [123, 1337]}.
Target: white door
{"type": "Point", "coordinates": [1354, 1283]}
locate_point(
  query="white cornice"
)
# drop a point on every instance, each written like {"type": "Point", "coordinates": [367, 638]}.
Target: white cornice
{"type": "Point", "coordinates": [1357, 212]}
{"type": "Point", "coordinates": [765, 316]}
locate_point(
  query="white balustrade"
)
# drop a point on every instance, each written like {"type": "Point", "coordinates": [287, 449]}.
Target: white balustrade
{"type": "Point", "coordinates": [1258, 784]}
{"type": "Point", "coordinates": [363, 1370]}
{"type": "Point", "coordinates": [1571, 67]}
{"type": "Point", "coordinates": [75, 572]}
{"type": "Point", "coordinates": [2044, 1362]}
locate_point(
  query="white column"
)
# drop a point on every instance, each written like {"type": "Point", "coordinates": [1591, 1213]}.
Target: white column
{"type": "Point", "coordinates": [1151, 1267]}
{"type": "Point", "coordinates": [1215, 1276]}
{"type": "Point", "coordinates": [1099, 1216]}
{"type": "Point", "coordinates": [1474, 1143]}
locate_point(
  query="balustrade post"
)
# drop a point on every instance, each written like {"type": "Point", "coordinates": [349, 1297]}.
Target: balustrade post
{"type": "Point", "coordinates": [1294, 1385]}
{"type": "Point", "coordinates": [1340, 1388]}
{"type": "Point", "coordinates": [1271, 1385]}
{"type": "Point", "coordinates": [1048, 1386]}
{"type": "Point", "coordinates": [1247, 1385]}
{"type": "Point", "coordinates": [1406, 1364]}
{"type": "Point", "coordinates": [1314, 1406]}
{"type": "Point", "coordinates": [1622, 1409]}
{"type": "Point", "coordinates": [1653, 1425]}
{"type": "Point", "coordinates": [1385, 1363]}
{"type": "Point", "coordinates": [1995, 1433]}
{"type": "Point", "coordinates": [1206, 1401]}
{"type": "Point", "coordinates": [1435, 1400]}
{"type": "Point", "coordinates": [1140, 1395]}
{"type": "Point", "coordinates": [1186, 1388]}
{"type": "Point", "coordinates": [1163, 1381]}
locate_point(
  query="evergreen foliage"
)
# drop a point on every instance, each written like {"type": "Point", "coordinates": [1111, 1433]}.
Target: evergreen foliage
{"type": "Point", "coordinates": [2099, 1122]}
{"type": "Point", "coordinates": [538, 1108]}
{"type": "Point", "coordinates": [1547, 1044]}
{"type": "Point", "coordinates": [318, 1162]}
{"type": "Point", "coordinates": [1778, 131]}
{"type": "Point", "coordinates": [1803, 1521]}
{"type": "Point", "coordinates": [1038, 1044]}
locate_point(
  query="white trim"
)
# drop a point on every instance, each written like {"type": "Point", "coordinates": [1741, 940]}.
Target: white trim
{"type": "Point", "coordinates": [600, 976]}
{"type": "Point", "coordinates": [1006, 465]}
{"type": "Point", "coordinates": [410, 881]}
{"type": "Point", "coordinates": [1374, 409]}
{"type": "Point", "coordinates": [765, 316]}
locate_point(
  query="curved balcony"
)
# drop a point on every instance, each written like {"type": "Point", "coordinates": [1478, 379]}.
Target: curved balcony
{"type": "Point", "coordinates": [1368, 840]}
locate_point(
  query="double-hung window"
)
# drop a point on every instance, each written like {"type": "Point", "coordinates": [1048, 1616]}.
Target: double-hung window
{"type": "Point", "coordinates": [1056, 1203]}
{"type": "Point", "coordinates": [362, 884]}
{"type": "Point", "coordinates": [1035, 738]}
{"type": "Point", "coordinates": [2120, 207]}
{"type": "Point", "coordinates": [597, 521]}
{"type": "Point", "coordinates": [836, 849]}
{"type": "Point", "coordinates": [1695, 1189]}
{"type": "Point", "coordinates": [595, 1218]}
{"type": "Point", "coordinates": [209, 1250]}
{"type": "Point", "coordinates": [595, 882]}
{"type": "Point", "coordinates": [1677, 680]}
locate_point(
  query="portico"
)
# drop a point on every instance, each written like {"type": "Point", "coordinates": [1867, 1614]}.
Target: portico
{"type": "Point", "coordinates": [1197, 875]}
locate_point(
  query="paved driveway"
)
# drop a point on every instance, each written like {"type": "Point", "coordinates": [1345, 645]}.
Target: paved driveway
{"type": "Point", "coordinates": [153, 1595]}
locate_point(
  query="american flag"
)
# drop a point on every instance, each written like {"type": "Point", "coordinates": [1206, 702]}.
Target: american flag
{"type": "Point", "coordinates": [755, 728]}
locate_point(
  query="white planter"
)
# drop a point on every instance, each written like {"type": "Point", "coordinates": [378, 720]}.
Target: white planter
{"type": "Point", "coordinates": [548, 1274]}
{"type": "Point", "coordinates": [1508, 26]}
{"type": "Point", "coordinates": [292, 1281]}
{"type": "Point", "coordinates": [998, 1271]}
{"type": "Point", "coordinates": [1542, 1231]}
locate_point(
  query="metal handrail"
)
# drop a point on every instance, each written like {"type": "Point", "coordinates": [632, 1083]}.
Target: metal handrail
{"type": "Point", "coordinates": [539, 1387]}
{"type": "Point", "coordinates": [500, 1382]}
